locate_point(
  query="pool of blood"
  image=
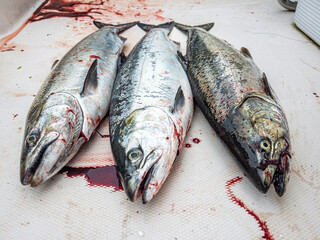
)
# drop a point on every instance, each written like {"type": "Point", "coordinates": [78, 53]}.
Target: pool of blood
{"type": "Point", "coordinates": [262, 224]}
{"type": "Point", "coordinates": [96, 176]}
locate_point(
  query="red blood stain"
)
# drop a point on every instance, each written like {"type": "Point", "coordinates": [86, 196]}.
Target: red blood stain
{"type": "Point", "coordinates": [316, 95]}
{"type": "Point", "coordinates": [263, 225]}
{"type": "Point", "coordinates": [96, 176]}
{"type": "Point", "coordinates": [167, 138]}
{"type": "Point", "coordinates": [53, 76]}
{"type": "Point", "coordinates": [96, 10]}
{"type": "Point", "coordinates": [62, 139]}
{"type": "Point", "coordinates": [51, 93]}
{"type": "Point", "coordinates": [196, 140]}
{"type": "Point", "coordinates": [80, 61]}
{"type": "Point", "coordinates": [70, 110]}
{"type": "Point", "coordinates": [15, 115]}
{"type": "Point", "coordinates": [188, 145]}
{"type": "Point", "coordinates": [94, 56]}
{"type": "Point", "coordinates": [84, 136]}
{"type": "Point", "coordinates": [98, 119]}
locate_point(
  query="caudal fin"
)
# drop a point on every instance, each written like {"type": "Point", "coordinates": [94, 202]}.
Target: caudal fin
{"type": "Point", "coordinates": [185, 28]}
{"type": "Point", "coordinates": [147, 27]}
{"type": "Point", "coordinates": [119, 27]}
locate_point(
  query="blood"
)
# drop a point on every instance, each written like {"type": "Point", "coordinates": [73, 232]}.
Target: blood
{"type": "Point", "coordinates": [96, 10]}
{"type": "Point", "coordinates": [80, 61]}
{"type": "Point", "coordinates": [70, 110]}
{"type": "Point", "coordinates": [94, 56]}
{"type": "Point", "coordinates": [15, 115]}
{"type": "Point", "coordinates": [196, 140]}
{"type": "Point", "coordinates": [188, 145]}
{"type": "Point", "coordinates": [84, 136]}
{"type": "Point", "coordinates": [96, 176]}
{"type": "Point", "coordinates": [316, 95]}
{"type": "Point", "coordinates": [62, 139]}
{"type": "Point", "coordinates": [262, 224]}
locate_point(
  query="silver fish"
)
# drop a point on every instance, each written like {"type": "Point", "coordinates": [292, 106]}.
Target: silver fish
{"type": "Point", "coordinates": [151, 110]}
{"type": "Point", "coordinates": [240, 105]}
{"type": "Point", "coordinates": [70, 104]}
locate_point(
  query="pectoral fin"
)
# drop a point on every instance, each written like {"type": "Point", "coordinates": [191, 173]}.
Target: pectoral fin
{"type": "Point", "coordinates": [91, 82]}
{"type": "Point", "coordinates": [179, 100]}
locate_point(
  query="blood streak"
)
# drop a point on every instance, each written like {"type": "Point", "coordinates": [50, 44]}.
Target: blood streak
{"type": "Point", "coordinates": [96, 176]}
{"type": "Point", "coordinates": [94, 56]}
{"type": "Point", "coordinates": [96, 10]}
{"type": "Point", "coordinates": [188, 145]}
{"type": "Point", "coordinates": [15, 115]}
{"type": "Point", "coordinates": [263, 225]}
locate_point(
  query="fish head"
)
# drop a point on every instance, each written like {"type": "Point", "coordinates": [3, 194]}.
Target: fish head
{"type": "Point", "coordinates": [144, 148]}
{"type": "Point", "coordinates": [265, 131]}
{"type": "Point", "coordinates": [49, 133]}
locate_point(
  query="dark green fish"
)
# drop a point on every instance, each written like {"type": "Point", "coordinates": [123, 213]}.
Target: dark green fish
{"type": "Point", "coordinates": [234, 95]}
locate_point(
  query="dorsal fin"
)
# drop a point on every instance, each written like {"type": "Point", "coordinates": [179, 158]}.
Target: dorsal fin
{"type": "Point", "coordinates": [179, 100]}
{"type": "Point", "coordinates": [147, 27]}
{"type": "Point", "coordinates": [245, 52]}
{"type": "Point", "coordinates": [54, 64]}
{"type": "Point", "coordinates": [267, 86]}
{"type": "Point", "coordinates": [91, 81]}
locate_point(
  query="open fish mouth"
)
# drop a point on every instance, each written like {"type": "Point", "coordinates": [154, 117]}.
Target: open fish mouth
{"type": "Point", "coordinates": [27, 174]}
{"type": "Point", "coordinates": [134, 191]}
{"type": "Point", "coordinates": [276, 172]}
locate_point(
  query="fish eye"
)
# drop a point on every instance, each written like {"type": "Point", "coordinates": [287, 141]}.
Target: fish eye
{"type": "Point", "coordinates": [32, 139]}
{"type": "Point", "coordinates": [265, 145]}
{"type": "Point", "coordinates": [134, 155]}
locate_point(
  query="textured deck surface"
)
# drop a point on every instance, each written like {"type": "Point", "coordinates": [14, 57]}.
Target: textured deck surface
{"type": "Point", "coordinates": [207, 195]}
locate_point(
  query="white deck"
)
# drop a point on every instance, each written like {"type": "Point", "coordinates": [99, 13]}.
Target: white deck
{"type": "Point", "coordinates": [194, 203]}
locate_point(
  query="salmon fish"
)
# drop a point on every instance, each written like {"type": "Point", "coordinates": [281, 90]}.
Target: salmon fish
{"type": "Point", "coordinates": [237, 100]}
{"type": "Point", "coordinates": [70, 104]}
{"type": "Point", "coordinates": [151, 110]}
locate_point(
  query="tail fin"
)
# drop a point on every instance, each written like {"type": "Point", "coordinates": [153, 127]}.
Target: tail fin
{"type": "Point", "coordinates": [147, 27]}
{"type": "Point", "coordinates": [119, 28]}
{"type": "Point", "coordinates": [185, 28]}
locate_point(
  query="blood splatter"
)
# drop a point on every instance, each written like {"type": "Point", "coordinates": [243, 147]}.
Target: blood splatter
{"type": "Point", "coordinates": [94, 56]}
{"type": "Point", "coordinates": [316, 95]}
{"type": "Point", "coordinates": [262, 224]}
{"type": "Point", "coordinates": [96, 10]}
{"type": "Point", "coordinates": [196, 140]}
{"type": "Point", "coordinates": [188, 145]}
{"type": "Point", "coordinates": [15, 115]}
{"type": "Point", "coordinates": [96, 176]}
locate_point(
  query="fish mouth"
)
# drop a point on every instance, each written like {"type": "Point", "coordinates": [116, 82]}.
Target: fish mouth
{"type": "Point", "coordinates": [136, 185]}
{"type": "Point", "coordinates": [27, 173]}
{"type": "Point", "coordinates": [136, 189]}
{"type": "Point", "coordinates": [276, 172]}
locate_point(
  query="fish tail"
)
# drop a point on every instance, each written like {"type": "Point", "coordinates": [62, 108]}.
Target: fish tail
{"type": "Point", "coordinates": [185, 28]}
{"type": "Point", "coordinates": [147, 27]}
{"type": "Point", "coordinates": [118, 27]}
